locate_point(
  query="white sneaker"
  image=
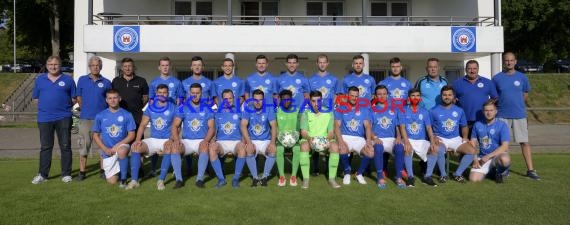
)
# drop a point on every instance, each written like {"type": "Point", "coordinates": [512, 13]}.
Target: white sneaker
{"type": "Point", "coordinates": [160, 185]}
{"type": "Point", "coordinates": [66, 179]}
{"type": "Point", "coordinates": [38, 179]}
{"type": "Point", "coordinates": [132, 185]}
{"type": "Point", "coordinates": [346, 179]}
{"type": "Point", "coordinates": [360, 179]}
{"type": "Point", "coordinates": [333, 184]}
{"type": "Point", "coordinates": [305, 184]}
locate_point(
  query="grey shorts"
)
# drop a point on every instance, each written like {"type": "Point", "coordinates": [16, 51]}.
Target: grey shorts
{"type": "Point", "coordinates": [518, 128]}
{"type": "Point", "coordinates": [86, 137]}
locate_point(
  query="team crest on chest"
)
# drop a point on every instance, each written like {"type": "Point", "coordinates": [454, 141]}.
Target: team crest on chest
{"type": "Point", "coordinates": [329, 81]}
{"type": "Point", "coordinates": [257, 129]}
{"type": "Point", "coordinates": [114, 130]}
{"type": "Point", "coordinates": [120, 118]}
{"type": "Point", "coordinates": [324, 91]}
{"type": "Point", "coordinates": [159, 123]}
{"type": "Point", "coordinates": [234, 84]}
{"type": "Point", "coordinates": [454, 114]}
{"type": "Point", "coordinates": [517, 83]}
{"type": "Point", "coordinates": [100, 85]}
{"type": "Point", "coordinates": [485, 142]}
{"type": "Point", "coordinates": [480, 85]}
{"type": "Point", "coordinates": [414, 128]}
{"type": "Point", "coordinates": [353, 125]}
{"type": "Point", "coordinates": [228, 128]}
{"type": "Point", "coordinates": [61, 83]}
{"type": "Point", "coordinates": [171, 85]}
{"type": "Point", "coordinates": [385, 122]}
{"type": "Point", "coordinates": [361, 90]}
{"type": "Point", "coordinates": [492, 131]}
{"type": "Point", "coordinates": [397, 93]}
{"type": "Point", "coordinates": [292, 89]}
{"type": "Point", "coordinates": [267, 81]}
{"type": "Point", "coordinates": [195, 124]}
{"type": "Point", "coordinates": [448, 125]}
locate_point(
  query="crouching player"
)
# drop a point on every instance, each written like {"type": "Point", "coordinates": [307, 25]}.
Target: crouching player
{"type": "Point", "coordinates": [287, 123]}
{"type": "Point", "coordinates": [492, 135]}
{"type": "Point", "coordinates": [113, 130]}
{"type": "Point", "coordinates": [317, 124]}
{"type": "Point", "coordinates": [159, 114]}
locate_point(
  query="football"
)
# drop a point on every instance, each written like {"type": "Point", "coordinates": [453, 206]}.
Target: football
{"type": "Point", "coordinates": [319, 144]}
{"type": "Point", "coordinates": [288, 138]}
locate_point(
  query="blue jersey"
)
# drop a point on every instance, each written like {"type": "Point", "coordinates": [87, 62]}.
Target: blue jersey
{"type": "Point", "coordinates": [92, 93]}
{"type": "Point", "coordinates": [54, 98]}
{"type": "Point", "coordinates": [296, 83]}
{"type": "Point", "coordinates": [328, 85]}
{"type": "Point", "coordinates": [447, 122]}
{"type": "Point", "coordinates": [511, 99]}
{"type": "Point", "coordinates": [472, 96]}
{"type": "Point", "coordinates": [490, 136]}
{"type": "Point", "coordinates": [397, 88]}
{"type": "Point", "coordinates": [160, 120]}
{"type": "Point", "coordinates": [415, 122]}
{"type": "Point", "coordinates": [222, 83]}
{"type": "Point", "coordinates": [384, 124]}
{"type": "Point", "coordinates": [365, 84]}
{"type": "Point", "coordinates": [194, 122]}
{"type": "Point", "coordinates": [113, 126]}
{"type": "Point", "coordinates": [258, 124]}
{"type": "Point", "coordinates": [352, 123]}
{"type": "Point", "coordinates": [203, 81]}
{"type": "Point", "coordinates": [430, 90]}
{"type": "Point", "coordinates": [175, 89]}
{"type": "Point", "coordinates": [267, 83]}
{"type": "Point", "coordinates": [228, 126]}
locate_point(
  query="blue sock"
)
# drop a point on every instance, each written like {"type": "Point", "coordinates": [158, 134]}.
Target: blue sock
{"type": "Point", "coordinates": [124, 165]}
{"type": "Point", "coordinates": [269, 162]}
{"type": "Point", "coordinates": [431, 161]}
{"type": "Point", "coordinates": [345, 163]}
{"type": "Point", "coordinates": [252, 165]}
{"type": "Point", "coordinates": [463, 164]}
{"type": "Point", "coordinates": [399, 159]}
{"type": "Point", "coordinates": [379, 160]}
{"type": "Point", "coordinates": [153, 161]}
{"type": "Point", "coordinates": [176, 161]}
{"type": "Point", "coordinates": [202, 165]}
{"type": "Point", "coordinates": [441, 161]}
{"type": "Point", "coordinates": [164, 166]}
{"type": "Point", "coordinates": [240, 161]}
{"type": "Point", "coordinates": [409, 167]}
{"type": "Point", "coordinates": [135, 165]}
{"type": "Point", "coordinates": [364, 162]}
{"type": "Point", "coordinates": [189, 163]}
{"type": "Point", "coordinates": [218, 169]}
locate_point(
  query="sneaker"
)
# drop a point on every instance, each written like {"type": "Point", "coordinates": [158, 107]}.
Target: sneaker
{"type": "Point", "coordinates": [66, 179]}
{"type": "Point", "coordinates": [38, 179]}
{"type": "Point", "coordinates": [404, 174]}
{"type": "Point", "coordinates": [315, 174]}
{"type": "Point", "coordinates": [410, 182]}
{"type": "Point", "coordinates": [220, 184]}
{"type": "Point", "coordinates": [282, 182]}
{"type": "Point", "coordinates": [123, 184]}
{"type": "Point", "coordinates": [443, 179]}
{"type": "Point", "coordinates": [360, 179]}
{"type": "Point", "coordinates": [160, 185]}
{"type": "Point", "coordinates": [132, 185]}
{"type": "Point", "coordinates": [429, 181]}
{"type": "Point", "coordinates": [254, 182]}
{"type": "Point", "coordinates": [293, 181]}
{"type": "Point", "coordinates": [401, 184]}
{"type": "Point", "coordinates": [346, 179]}
{"type": "Point", "coordinates": [263, 182]}
{"type": "Point", "coordinates": [305, 184]}
{"type": "Point", "coordinates": [235, 183]}
{"type": "Point", "coordinates": [178, 184]}
{"type": "Point", "coordinates": [333, 184]}
{"type": "Point", "coordinates": [382, 184]}
{"type": "Point", "coordinates": [459, 179]}
{"type": "Point", "coordinates": [200, 184]}
{"type": "Point", "coordinates": [102, 174]}
{"type": "Point", "coordinates": [532, 175]}
{"type": "Point", "coordinates": [499, 178]}
{"type": "Point", "coordinates": [82, 176]}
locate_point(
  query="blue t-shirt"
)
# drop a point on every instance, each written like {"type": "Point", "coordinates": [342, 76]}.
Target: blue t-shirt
{"type": "Point", "coordinates": [113, 126]}
{"type": "Point", "coordinates": [415, 123]}
{"type": "Point", "coordinates": [384, 124]}
{"type": "Point", "coordinates": [194, 122]}
{"type": "Point", "coordinates": [92, 95]}
{"type": "Point", "coordinates": [174, 87]}
{"type": "Point", "coordinates": [203, 81]}
{"type": "Point", "coordinates": [365, 83]}
{"type": "Point", "coordinates": [54, 98]}
{"type": "Point", "coordinates": [296, 83]}
{"type": "Point", "coordinates": [473, 96]}
{"type": "Point", "coordinates": [228, 125]}
{"type": "Point", "coordinates": [328, 85]}
{"type": "Point", "coordinates": [511, 89]}
{"type": "Point", "coordinates": [160, 120]}
{"type": "Point", "coordinates": [235, 84]}
{"type": "Point", "coordinates": [267, 83]}
{"type": "Point", "coordinates": [397, 88]}
{"type": "Point", "coordinates": [431, 91]}
{"type": "Point", "coordinates": [490, 136]}
{"type": "Point", "coordinates": [446, 123]}
{"type": "Point", "coordinates": [352, 123]}
{"type": "Point", "coordinates": [258, 124]}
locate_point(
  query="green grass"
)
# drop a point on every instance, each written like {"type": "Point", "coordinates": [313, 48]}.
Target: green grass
{"type": "Point", "coordinates": [549, 90]}
{"type": "Point", "coordinates": [9, 82]}
{"type": "Point", "coordinates": [22, 124]}
{"type": "Point", "coordinates": [518, 201]}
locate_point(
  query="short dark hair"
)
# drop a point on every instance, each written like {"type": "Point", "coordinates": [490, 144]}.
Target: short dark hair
{"type": "Point", "coordinates": [432, 60]}
{"type": "Point", "coordinates": [228, 60]}
{"type": "Point", "coordinates": [357, 57]}
{"type": "Point", "coordinates": [163, 86]}
{"type": "Point", "coordinates": [258, 57]}
{"type": "Point", "coordinates": [395, 60]}
{"type": "Point", "coordinates": [112, 91]}
{"type": "Point", "coordinates": [127, 59]}
{"type": "Point", "coordinates": [197, 58]}
{"type": "Point", "coordinates": [381, 87]}
{"type": "Point", "coordinates": [285, 92]}
{"type": "Point", "coordinates": [447, 88]}
{"type": "Point", "coordinates": [164, 58]}
{"type": "Point", "coordinates": [258, 92]}
{"type": "Point", "coordinates": [196, 85]}
{"type": "Point", "coordinates": [471, 62]}
{"type": "Point", "coordinates": [322, 56]}
{"type": "Point", "coordinates": [315, 94]}
{"type": "Point", "coordinates": [491, 101]}
{"type": "Point", "coordinates": [227, 91]}
{"type": "Point", "coordinates": [353, 88]}
{"type": "Point", "coordinates": [413, 90]}
{"type": "Point", "coordinates": [292, 56]}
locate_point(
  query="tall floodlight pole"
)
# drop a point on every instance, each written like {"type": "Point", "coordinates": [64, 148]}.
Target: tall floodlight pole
{"type": "Point", "coordinates": [14, 36]}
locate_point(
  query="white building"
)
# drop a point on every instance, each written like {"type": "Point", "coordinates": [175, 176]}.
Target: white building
{"type": "Point", "coordinates": [413, 30]}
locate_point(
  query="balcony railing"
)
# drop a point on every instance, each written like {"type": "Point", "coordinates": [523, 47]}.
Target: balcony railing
{"type": "Point", "coordinates": [119, 19]}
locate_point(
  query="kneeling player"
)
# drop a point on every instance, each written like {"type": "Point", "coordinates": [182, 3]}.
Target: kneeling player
{"type": "Point", "coordinates": [492, 135]}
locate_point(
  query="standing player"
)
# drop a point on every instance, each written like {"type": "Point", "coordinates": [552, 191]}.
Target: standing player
{"type": "Point", "coordinates": [133, 90]}
{"type": "Point", "coordinates": [364, 82]}
{"type": "Point", "coordinates": [228, 81]}
{"type": "Point", "coordinates": [450, 128]}
{"type": "Point", "coordinates": [317, 124]}
{"type": "Point", "coordinates": [397, 85]}
{"type": "Point", "coordinates": [198, 130]}
{"type": "Point", "coordinates": [472, 91]}
{"type": "Point", "coordinates": [513, 87]}
{"type": "Point", "coordinates": [415, 128]}
{"type": "Point", "coordinates": [114, 128]}
{"type": "Point", "coordinates": [91, 99]}
{"type": "Point", "coordinates": [287, 122]}
{"type": "Point", "coordinates": [492, 135]}
{"type": "Point", "coordinates": [261, 79]}
{"type": "Point", "coordinates": [294, 81]}
{"type": "Point", "coordinates": [353, 133]}
{"type": "Point", "coordinates": [430, 85]}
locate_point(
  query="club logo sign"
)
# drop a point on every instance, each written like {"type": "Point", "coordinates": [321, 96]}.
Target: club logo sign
{"type": "Point", "coordinates": [126, 39]}
{"type": "Point", "coordinates": [463, 39]}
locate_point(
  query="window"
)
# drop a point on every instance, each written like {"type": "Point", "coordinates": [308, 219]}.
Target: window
{"type": "Point", "coordinates": [389, 8]}
{"type": "Point", "coordinates": [204, 8]}
{"type": "Point", "coordinates": [452, 73]}
{"type": "Point", "coordinates": [251, 10]}
{"type": "Point", "coordinates": [399, 9]}
{"type": "Point", "coordinates": [182, 75]}
{"type": "Point", "coordinates": [378, 74]}
{"type": "Point", "coordinates": [335, 9]}
{"type": "Point", "coordinates": [182, 8]}
{"type": "Point", "coordinates": [314, 8]}
{"type": "Point", "coordinates": [318, 8]}
{"type": "Point", "coordinates": [269, 8]}
{"type": "Point", "coordinates": [378, 9]}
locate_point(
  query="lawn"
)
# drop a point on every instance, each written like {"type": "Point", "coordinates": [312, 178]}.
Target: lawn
{"type": "Point", "coordinates": [518, 201]}
{"type": "Point", "coordinates": [9, 82]}
{"type": "Point", "coordinates": [549, 90]}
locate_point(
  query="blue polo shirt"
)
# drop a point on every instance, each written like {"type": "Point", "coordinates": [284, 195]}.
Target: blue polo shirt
{"type": "Point", "coordinates": [228, 126]}
{"type": "Point", "coordinates": [113, 126]}
{"type": "Point", "coordinates": [328, 85]}
{"type": "Point", "coordinates": [194, 122]}
{"type": "Point", "coordinates": [92, 93]}
{"type": "Point", "coordinates": [160, 120]}
{"type": "Point", "coordinates": [174, 87]}
{"type": "Point", "coordinates": [384, 124]}
{"type": "Point", "coordinates": [258, 124]}
{"type": "Point", "coordinates": [490, 136]}
{"type": "Point", "coordinates": [397, 88]}
{"type": "Point", "coordinates": [296, 83]}
{"type": "Point", "coordinates": [234, 83]}
{"type": "Point", "coordinates": [267, 83]}
{"type": "Point", "coordinates": [364, 82]}
{"type": "Point", "coordinates": [430, 90]}
{"type": "Point", "coordinates": [446, 122]}
{"type": "Point", "coordinates": [203, 81]}
{"type": "Point", "coordinates": [352, 123]}
{"type": "Point", "coordinates": [54, 98]}
{"type": "Point", "coordinates": [472, 96]}
{"type": "Point", "coordinates": [415, 122]}
{"type": "Point", "coordinates": [511, 89]}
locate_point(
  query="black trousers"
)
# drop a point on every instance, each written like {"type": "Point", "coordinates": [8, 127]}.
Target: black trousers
{"type": "Point", "coordinates": [62, 128]}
